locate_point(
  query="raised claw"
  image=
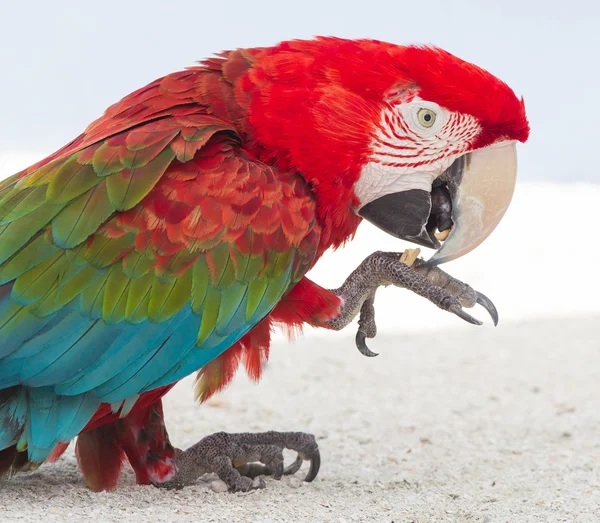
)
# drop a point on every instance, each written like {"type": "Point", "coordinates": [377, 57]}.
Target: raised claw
{"type": "Point", "coordinates": [294, 467]}
{"type": "Point", "coordinates": [489, 306]}
{"type": "Point", "coordinates": [315, 465]}
{"type": "Point", "coordinates": [456, 309]}
{"type": "Point", "coordinates": [366, 326]}
{"type": "Point", "coordinates": [361, 345]}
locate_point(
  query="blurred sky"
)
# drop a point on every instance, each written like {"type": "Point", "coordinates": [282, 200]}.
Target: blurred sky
{"type": "Point", "coordinates": [64, 62]}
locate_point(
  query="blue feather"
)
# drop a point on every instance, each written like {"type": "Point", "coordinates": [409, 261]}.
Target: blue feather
{"type": "Point", "coordinates": [10, 372]}
{"type": "Point", "coordinates": [58, 329]}
{"type": "Point", "coordinates": [13, 415]}
{"type": "Point", "coordinates": [198, 357]}
{"type": "Point", "coordinates": [236, 321]}
{"type": "Point", "coordinates": [75, 413]}
{"type": "Point", "coordinates": [135, 342]}
{"type": "Point", "coordinates": [17, 325]}
{"type": "Point", "coordinates": [182, 339]}
{"type": "Point", "coordinates": [62, 360]}
{"type": "Point", "coordinates": [43, 416]}
{"type": "Point", "coordinates": [124, 374]}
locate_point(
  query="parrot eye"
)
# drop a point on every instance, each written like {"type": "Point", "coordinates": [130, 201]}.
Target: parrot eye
{"type": "Point", "coordinates": [426, 117]}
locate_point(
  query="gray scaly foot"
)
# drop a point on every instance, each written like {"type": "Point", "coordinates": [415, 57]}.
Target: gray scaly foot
{"type": "Point", "coordinates": [385, 268]}
{"type": "Point", "coordinates": [238, 459]}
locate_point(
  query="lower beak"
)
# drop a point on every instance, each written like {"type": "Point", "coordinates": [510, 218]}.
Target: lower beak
{"type": "Point", "coordinates": [403, 215]}
{"type": "Point", "coordinates": [469, 198]}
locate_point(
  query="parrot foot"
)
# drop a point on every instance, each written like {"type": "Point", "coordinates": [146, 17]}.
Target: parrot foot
{"type": "Point", "coordinates": [238, 459]}
{"type": "Point", "coordinates": [385, 268]}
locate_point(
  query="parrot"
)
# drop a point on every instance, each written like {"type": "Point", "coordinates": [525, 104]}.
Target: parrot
{"type": "Point", "coordinates": [175, 232]}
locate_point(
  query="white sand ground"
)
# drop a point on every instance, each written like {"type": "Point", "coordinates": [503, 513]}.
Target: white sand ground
{"type": "Point", "coordinates": [450, 423]}
{"type": "Point", "coordinates": [482, 425]}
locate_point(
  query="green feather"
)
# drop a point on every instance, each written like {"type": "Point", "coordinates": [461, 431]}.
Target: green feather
{"type": "Point", "coordinates": [36, 251]}
{"type": "Point", "coordinates": [92, 298]}
{"type": "Point", "coordinates": [284, 260]}
{"type": "Point", "coordinates": [228, 277]}
{"type": "Point", "coordinates": [201, 280]}
{"type": "Point", "coordinates": [119, 312]}
{"type": "Point", "coordinates": [137, 263]}
{"type": "Point", "coordinates": [256, 292]}
{"type": "Point", "coordinates": [68, 290]}
{"type": "Point", "coordinates": [166, 299]}
{"type": "Point", "coordinates": [138, 298]}
{"type": "Point", "coordinates": [41, 176]}
{"type": "Point", "coordinates": [82, 217]}
{"type": "Point", "coordinates": [104, 251]}
{"type": "Point", "coordinates": [179, 263]}
{"type": "Point", "coordinates": [277, 287]}
{"type": "Point", "coordinates": [231, 300]}
{"type": "Point", "coordinates": [36, 282]}
{"type": "Point", "coordinates": [11, 181]}
{"type": "Point", "coordinates": [16, 234]}
{"type": "Point", "coordinates": [218, 260]}
{"type": "Point", "coordinates": [127, 188]}
{"type": "Point", "coordinates": [70, 181]}
{"type": "Point", "coordinates": [115, 290]}
{"type": "Point", "coordinates": [106, 160]}
{"type": "Point", "coordinates": [18, 203]}
{"type": "Point", "coordinates": [210, 312]}
{"type": "Point", "coordinates": [277, 263]}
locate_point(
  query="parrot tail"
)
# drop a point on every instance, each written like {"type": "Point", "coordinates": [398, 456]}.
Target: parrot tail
{"type": "Point", "coordinates": [13, 410]}
{"type": "Point", "coordinates": [12, 462]}
{"type": "Point", "coordinates": [36, 425]}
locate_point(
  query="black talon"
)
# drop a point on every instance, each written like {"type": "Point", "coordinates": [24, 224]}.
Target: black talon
{"type": "Point", "coordinates": [315, 465]}
{"type": "Point", "coordinates": [278, 471]}
{"type": "Point", "coordinates": [456, 309]}
{"type": "Point", "coordinates": [489, 306]}
{"type": "Point", "coordinates": [361, 345]}
{"type": "Point", "coordinates": [294, 467]}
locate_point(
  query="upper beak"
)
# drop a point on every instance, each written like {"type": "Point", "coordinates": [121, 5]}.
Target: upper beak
{"type": "Point", "coordinates": [470, 198]}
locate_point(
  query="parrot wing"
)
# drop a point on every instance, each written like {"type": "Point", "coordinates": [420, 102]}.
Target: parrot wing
{"type": "Point", "coordinates": [133, 261]}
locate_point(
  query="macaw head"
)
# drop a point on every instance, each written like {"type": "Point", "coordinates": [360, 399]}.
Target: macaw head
{"type": "Point", "coordinates": [413, 139]}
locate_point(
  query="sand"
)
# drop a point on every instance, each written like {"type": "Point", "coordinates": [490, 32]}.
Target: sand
{"type": "Point", "coordinates": [468, 424]}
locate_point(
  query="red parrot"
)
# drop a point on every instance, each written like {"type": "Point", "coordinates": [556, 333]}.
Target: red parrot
{"type": "Point", "coordinates": [178, 228]}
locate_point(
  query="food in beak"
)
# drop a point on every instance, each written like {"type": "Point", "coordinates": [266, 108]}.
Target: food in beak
{"type": "Point", "coordinates": [442, 235]}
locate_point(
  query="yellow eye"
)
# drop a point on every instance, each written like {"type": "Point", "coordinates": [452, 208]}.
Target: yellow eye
{"type": "Point", "coordinates": [426, 117]}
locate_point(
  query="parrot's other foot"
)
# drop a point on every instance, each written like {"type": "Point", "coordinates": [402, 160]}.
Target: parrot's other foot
{"type": "Point", "coordinates": [238, 459]}
{"type": "Point", "coordinates": [386, 268]}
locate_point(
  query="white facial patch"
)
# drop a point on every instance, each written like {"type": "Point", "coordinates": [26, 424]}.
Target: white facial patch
{"type": "Point", "coordinates": [377, 180]}
{"type": "Point", "coordinates": [415, 142]}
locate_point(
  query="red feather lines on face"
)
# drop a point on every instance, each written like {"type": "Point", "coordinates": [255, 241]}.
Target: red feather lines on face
{"type": "Point", "coordinates": [397, 145]}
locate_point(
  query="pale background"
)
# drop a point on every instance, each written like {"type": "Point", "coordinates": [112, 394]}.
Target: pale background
{"type": "Point", "coordinates": [451, 422]}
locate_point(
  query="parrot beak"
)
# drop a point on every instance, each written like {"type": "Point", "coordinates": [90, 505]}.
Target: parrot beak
{"type": "Point", "coordinates": [465, 204]}
{"type": "Point", "coordinates": [481, 185]}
